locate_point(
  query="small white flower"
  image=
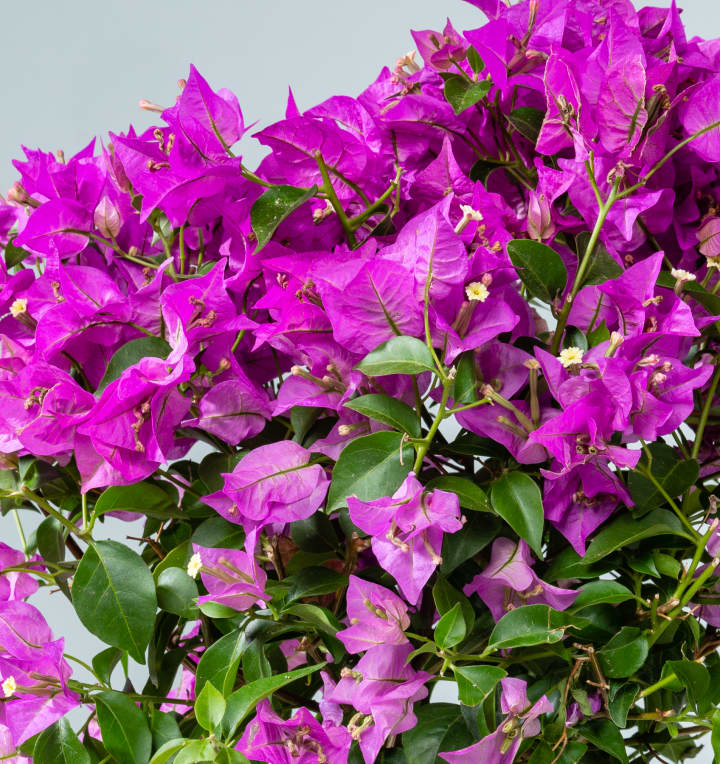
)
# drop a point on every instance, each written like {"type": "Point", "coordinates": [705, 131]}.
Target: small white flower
{"type": "Point", "coordinates": [713, 262]}
{"type": "Point", "coordinates": [477, 291]}
{"type": "Point", "coordinates": [680, 275]}
{"type": "Point", "coordinates": [194, 565]}
{"type": "Point", "coordinates": [570, 356]}
{"type": "Point", "coordinates": [18, 307]}
{"type": "Point", "coordinates": [9, 687]}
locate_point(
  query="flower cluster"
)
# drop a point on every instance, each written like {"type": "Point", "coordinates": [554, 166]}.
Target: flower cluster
{"type": "Point", "coordinates": [452, 351]}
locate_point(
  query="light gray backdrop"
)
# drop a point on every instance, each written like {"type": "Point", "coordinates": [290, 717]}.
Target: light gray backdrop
{"type": "Point", "coordinates": [75, 70]}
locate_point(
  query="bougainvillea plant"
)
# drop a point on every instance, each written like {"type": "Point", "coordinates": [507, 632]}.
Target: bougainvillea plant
{"type": "Point", "coordinates": [417, 422]}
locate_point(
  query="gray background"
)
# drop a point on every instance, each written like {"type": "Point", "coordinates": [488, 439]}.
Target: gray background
{"type": "Point", "coordinates": [77, 69]}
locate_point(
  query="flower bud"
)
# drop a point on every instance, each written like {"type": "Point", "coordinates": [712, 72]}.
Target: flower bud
{"type": "Point", "coordinates": [107, 218]}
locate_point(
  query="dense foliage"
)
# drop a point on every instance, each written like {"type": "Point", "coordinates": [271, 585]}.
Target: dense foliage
{"type": "Point", "coordinates": [428, 397]}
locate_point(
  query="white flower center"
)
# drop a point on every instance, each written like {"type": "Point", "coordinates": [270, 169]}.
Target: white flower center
{"type": "Point", "coordinates": [570, 356]}
{"type": "Point", "coordinates": [9, 686]}
{"type": "Point", "coordinates": [18, 307]}
{"type": "Point", "coordinates": [194, 565]}
{"type": "Point", "coordinates": [477, 291]}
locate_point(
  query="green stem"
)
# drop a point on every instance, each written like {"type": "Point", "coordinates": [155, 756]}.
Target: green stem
{"type": "Point", "coordinates": [675, 508]}
{"type": "Point", "coordinates": [582, 268]}
{"type": "Point", "coordinates": [467, 406]}
{"type": "Point", "coordinates": [424, 445]}
{"type": "Point", "coordinates": [358, 220]}
{"type": "Point", "coordinates": [335, 202]}
{"type": "Point", "coordinates": [705, 414]}
{"type": "Point", "coordinates": [85, 519]}
{"type": "Point", "coordinates": [26, 493]}
{"type": "Point", "coordinates": [664, 682]}
{"type": "Point", "coordinates": [20, 531]}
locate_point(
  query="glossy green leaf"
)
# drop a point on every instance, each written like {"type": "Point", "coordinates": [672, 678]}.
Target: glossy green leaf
{"type": "Point", "coordinates": [105, 661]}
{"type": "Point", "coordinates": [473, 537]}
{"type": "Point", "coordinates": [476, 63]}
{"type": "Point", "coordinates": [315, 534]}
{"type": "Point", "coordinates": [516, 498]}
{"type": "Point", "coordinates": [59, 744]}
{"type": "Point", "coordinates": [573, 752]}
{"type": "Point", "coordinates": [469, 495]}
{"type": "Point", "coordinates": [399, 355]}
{"type": "Point", "coordinates": [314, 582]}
{"type": "Point", "coordinates": [446, 596]}
{"type": "Point", "coordinates": [539, 267]}
{"type": "Point", "coordinates": [369, 468]}
{"type": "Point", "coordinates": [163, 727]}
{"type": "Point", "coordinates": [451, 629]}
{"type": "Point", "coordinates": [50, 535]}
{"type": "Point", "coordinates": [462, 94]}
{"type": "Point", "coordinates": [527, 121]}
{"type": "Point", "coordinates": [114, 596]}
{"type": "Point", "coordinates": [620, 700]}
{"type": "Point", "coordinates": [674, 474]}
{"type": "Point", "coordinates": [389, 411]}
{"type": "Point", "coordinates": [696, 680]}
{"type": "Point", "coordinates": [464, 386]}
{"type": "Point", "coordinates": [144, 498]}
{"type": "Point", "coordinates": [715, 737]}
{"type": "Point", "coordinates": [606, 736]}
{"type": "Point", "coordinates": [129, 354]}
{"type": "Point", "coordinates": [475, 683]}
{"type": "Point", "coordinates": [176, 592]}
{"type": "Point", "coordinates": [627, 530]}
{"type": "Point", "coordinates": [209, 707]}
{"type": "Point", "coordinates": [624, 654]}
{"type": "Point", "coordinates": [440, 727]}
{"type": "Point", "coordinates": [529, 625]}
{"type": "Point", "coordinates": [602, 266]}
{"type": "Point", "coordinates": [273, 207]}
{"type": "Point", "coordinates": [13, 255]}
{"type": "Point", "coordinates": [124, 727]}
{"type": "Point", "coordinates": [243, 701]}
{"type": "Point", "coordinates": [219, 663]}
{"type": "Point", "coordinates": [196, 751]}
{"type": "Point", "coordinates": [601, 591]}
{"type": "Point", "coordinates": [168, 750]}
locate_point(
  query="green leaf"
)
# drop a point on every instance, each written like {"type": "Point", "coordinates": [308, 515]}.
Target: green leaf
{"type": "Point", "coordinates": [447, 596]}
{"type": "Point", "coordinates": [469, 495]}
{"type": "Point", "coordinates": [620, 700]}
{"type": "Point", "coordinates": [451, 629]}
{"type": "Point", "coordinates": [715, 737]}
{"type": "Point", "coordinates": [572, 753]}
{"type": "Point", "coordinates": [242, 701]}
{"type": "Point", "coordinates": [175, 558]}
{"type": "Point", "coordinates": [461, 94]}
{"type": "Point", "coordinates": [114, 596]}
{"type": "Point", "coordinates": [315, 534]}
{"type": "Point", "coordinates": [539, 267]}
{"type": "Point", "coordinates": [666, 564]}
{"type": "Point", "coordinates": [302, 418]}
{"type": "Point", "coordinates": [476, 63]}
{"type": "Point", "coordinates": [693, 289]}
{"type": "Point", "coordinates": [528, 625]}
{"type": "Point", "coordinates": [50, 535]}
{"type": "Point", "coordinates": [124, 728]}
{"type": "Point", "coordinates": [624, 654]}
{"type": "Point", "coordinates": [602, 267]}
{"type": "Point", "coordinates": [627, 530]}
{"type": "Point", "coordinates": [474, 536]}
{"type": "Point", "coordinates": [516, 498]}
{"type": "Point", "coordinates": [390, 411]}
{"type": "Point", "coordinates": [399, 355]}
{"type": "Point", "coordinates": [176, 592]}
{"type": "Point", "coordinates": [601, 591]}
{"type": "Point", "coordinates": [673, 473]}
{"type": "Point", "coordinates": [209, 707]}
{"type": "Point", "coordinates": [369, 468]}
{"type": "Point", "coordinates": [167, 751]}
{"type": "Point", "coordinates": [59, 744]}
{"type": "Point", "coordinates": [464, 386]}
{"type": "Point", "coordinates": [696, 680]}
{"type": "Point", "coordinates": [129, 354]}
{"type": "Point", "coordinates": [606, 736]}
{"type": "Point", "coordinates": [196, 751]}
{"type": "Point", "coordinates": [163, 727]}
{"type": "Point", "coordinates": [14, 255]}
{"type": "Point", "coordinates": [105, 661]}
{"type": "Point", "coordinates": [145, 498]}
{"type": "Point", "coordinates": [220, 662]}
{"type": "Point", "coordinates": [314, 582]}
{"type": "Point", "coordinates": [475, 683]}
{"type": "Point", "coordinates": [440, 727]}
{"type": "Point", "coordinates": [598, 334]}
{"type": "Point", "coordinates": [527, 121]}
{"type": "Point", "coordinates": [273, 207]}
